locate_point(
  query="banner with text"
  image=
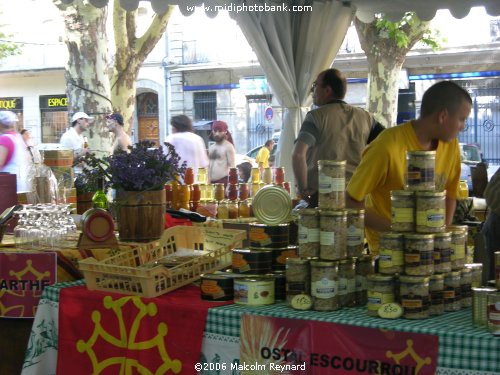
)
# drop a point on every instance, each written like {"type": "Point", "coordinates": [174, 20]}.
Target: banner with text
{"type": "Point", "coordinates": [292, 346]}
{"type": "Point", "coordinates": [23, 276]}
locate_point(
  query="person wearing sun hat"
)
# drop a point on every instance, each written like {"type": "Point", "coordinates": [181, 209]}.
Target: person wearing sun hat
{"type": "Point", "coordinates": [73, 137]}
{"type": "Point", "coordinates": [115, 125]}
{"type": "Point", "coordinates": [221, 155]}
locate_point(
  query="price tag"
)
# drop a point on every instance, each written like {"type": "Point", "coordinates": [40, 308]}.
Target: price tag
{"type": "Point", "coordinates": [390, 310]}
{"type": "Point", "coordinates": [301, 302]}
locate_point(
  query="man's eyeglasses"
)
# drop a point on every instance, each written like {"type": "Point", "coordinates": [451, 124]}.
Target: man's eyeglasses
{"type": "Point", "coordinates": [314, 85]}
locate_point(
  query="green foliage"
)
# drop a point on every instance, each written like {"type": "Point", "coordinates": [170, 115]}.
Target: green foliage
{"type": "Point", "coordinates": [400, 31]}
{"type": "Point", "coordinates": [7, 48]}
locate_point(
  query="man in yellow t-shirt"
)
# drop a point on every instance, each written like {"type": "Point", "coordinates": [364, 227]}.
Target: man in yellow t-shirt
{"type": "Point", "coordinates": [262, 158]}
{"type": "Point", "coordinates": [444, 110]}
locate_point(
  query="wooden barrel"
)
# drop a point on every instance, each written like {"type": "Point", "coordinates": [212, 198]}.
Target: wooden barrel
{"type": "Point", "coordinates": [83, 202]}
{"type": "Point", "coordinates": [141, 215]}
{"type": "Point", "coordinates": [60, 161]}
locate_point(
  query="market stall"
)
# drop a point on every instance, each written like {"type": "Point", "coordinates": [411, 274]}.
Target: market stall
{"type": "Point", "coordinates": [463, 349]}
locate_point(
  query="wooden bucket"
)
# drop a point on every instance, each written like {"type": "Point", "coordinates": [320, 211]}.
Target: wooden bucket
{"type": "Point", "coordinates": [141, 215]}
{"type": "Point", "coordinates": [60, 161]}
{"type": "Point", "coordinates": [83, 202]}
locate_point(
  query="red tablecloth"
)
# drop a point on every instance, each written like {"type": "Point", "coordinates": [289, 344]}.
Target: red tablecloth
{"type": "Point", "coordinates": [110, 333]}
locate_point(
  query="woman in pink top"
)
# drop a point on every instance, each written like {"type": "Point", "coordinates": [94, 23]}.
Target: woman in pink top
{"type": "Point", "coordinates": [13, 158]}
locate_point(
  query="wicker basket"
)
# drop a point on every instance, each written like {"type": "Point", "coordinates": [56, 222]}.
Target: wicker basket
{"type": "Point", "coordinates": [122, 273]}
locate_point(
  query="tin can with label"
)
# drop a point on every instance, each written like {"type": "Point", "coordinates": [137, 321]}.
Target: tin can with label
{"type": "Point", "coordinates": [480, 306]}
{"type": "Point", "coordinates": [252, 261]}
{"type": "Point", "coordinates": [254, 291]}
{"type": "Point", "coordinates": [268, 236]}
{"type": "Point", "coordinates": [216, 287]}
{"type": "Point", "coordinates": [280, 256]}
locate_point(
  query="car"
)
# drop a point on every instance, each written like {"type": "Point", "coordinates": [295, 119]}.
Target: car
{"type": "Point", "coordinates": [470, 155]}
{"type": "Point", "coordinates": [272, 156]}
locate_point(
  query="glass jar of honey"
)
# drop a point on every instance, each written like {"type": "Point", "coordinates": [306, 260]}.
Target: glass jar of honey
{"type": "Point", "coordinates": [219, 193]}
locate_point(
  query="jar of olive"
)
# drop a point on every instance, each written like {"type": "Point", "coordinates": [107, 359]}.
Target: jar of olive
{"type": "Point", "coordinates": [442, 252]}
{"type": "Point", "coordinates": [332, 236]}
{"type": "Point", "coordinates": [418, 251]}
{"type": "Point", "coordinates": [363, 267]}
{"type": "Point", "coordinates": [297, 277]}
{"type": "Point", "coordinates": [324, 285]}
{"type": "Point", "coordinates": [458, 245]}
{"type": "Point", "coordinates": [355, 235]}
{"type": "Point", "coordinates": [430, 211]}
{"type": "Point", "coordinates": [347, 283]}
{"type": "Point", "coordinates": [391, 250]}
{"type": "Point", "coordinates": [380, 291]}
{"type": "Point", "coordinates": [414, 295]}
{"type": "Point", "coordinates": [402, 211]}
{"type": "Point", "coordinates": [452, 293]}
{"type": "Point", "coordinates": [436, 288]}
{"type": "Point", "coordinates": [466, 287]}
{"type": "Point", "coordinates": [308, 233]}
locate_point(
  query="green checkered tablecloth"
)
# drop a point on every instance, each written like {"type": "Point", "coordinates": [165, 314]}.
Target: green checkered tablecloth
{"type": "Point", "coordinates": [461, 346]}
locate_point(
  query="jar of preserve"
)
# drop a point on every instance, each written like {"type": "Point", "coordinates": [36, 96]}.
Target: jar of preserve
{"type": "Point", "coordinates": [380, 291]}
{"type": "Point", "coordinates": [331, 185]}
{"type": "Point", "coordinates": [279, 175]}
{"type": "Point", "coordinates": [297, 277]}
{"type": "Point", "coordinates": [442, 252]}
{"type": "Point", "coordinates": [436, 289]}
{"type": "Point", "coordinates": [268, 176]}
{"type": "Point", "coordinates": [202, 176]}
{"type": "Point", "coordinates": [466, 287]}
{"type": "Point", "coordinates": [219, 193]}
{"type": "Point", "coordinates": [195, 193]}
{"type": "Point", "coordinates": [414, 295]}
{"type": "Point", "coordinates": [363, 267]}
{"type": "Point", "coordinates": [452, 293]}
{"type": "Point", "coordinates": [223, 210]}
{"type": "Point", "coordinates": [477, 274]}
{"type": "Point", "coordinates": [332, 236]}
{"type": "Point", "coordinates": [458, 245]}
{"type": "Point", "coordinates": [431, 211]}
{"type": "Point", "coordinates": [420, 170]}
{"type": "Point", "coordinates": [232, 192]}
{"type": "Point", "coordinates": [347, 283]}
{"type": "Point", "coordinates": [308, 232]}
{"type": "Point", "coordinates": [243, 208]}
{"type": "Point", "coordinates": [403, 211]}
{"type": "Point", "coordinates": [233, 176]}
{"type": "Point", "coordinates": [391, 253]}
{"type": "Point", "coordinates": [242, 191]}
{"type": "Point", "coordinates": [355, 234]}
{"type": "Point", "coordinates": [418, 254]}
{"type": "Point", "coordinates": [189, 176]}
{"type": "Point", "coordinates": [324, 285]}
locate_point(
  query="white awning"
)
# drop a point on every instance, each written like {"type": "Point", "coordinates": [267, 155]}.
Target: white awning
{"type": "Point", "coordinates": [365, 9]}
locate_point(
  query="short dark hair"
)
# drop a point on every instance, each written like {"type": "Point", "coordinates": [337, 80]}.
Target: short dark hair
{"type": "Point", "coordinates": [268, 142]}
{"type": "Point", "coordinates": [246, 168]}
{"type": "Point", "coordinates": [443, 95]}
{"type": "Point", "coordinates": [22, 131]}
{"type": "Point", "coordinates": [182, 123]}
{"type": "Point", "coordinates": [336, 81]}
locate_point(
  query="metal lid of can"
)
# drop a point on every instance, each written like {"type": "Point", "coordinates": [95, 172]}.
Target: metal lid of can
{"type": "Point", "coordinates": [474, 265]}
{"type": "Point", "coordinates": [442, 234]}
{"type": "Point", "coordinates": [309, 212]}
{"type": "Point", "coordinates": [430, 194]}
{"type": "Point", "coordinates": [332, 162]}
{"type": "Point", "coordinates": [414, 279]}
{"type": "Point", "coordinates": [421, 153]}
{"type": "Point", "coordinates": [272, 205]}
{"type": "Point", "coordinates": [406, 193]}
{"type": "Point", "coordinates": [333, 213]}
{"type": "Point", "coordinates": [391, 235]}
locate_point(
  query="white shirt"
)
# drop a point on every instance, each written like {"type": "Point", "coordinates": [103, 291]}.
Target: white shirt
{"type": "Point", "coordinates": [18, 164]}
{"type": "Point", "coordinates": [191, 149]}
{"type": "Point", "coordinates": [73, 141]}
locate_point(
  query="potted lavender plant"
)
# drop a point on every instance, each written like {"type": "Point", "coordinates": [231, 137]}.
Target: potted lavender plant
{"type": "Point", "coordinates": [139, 176]}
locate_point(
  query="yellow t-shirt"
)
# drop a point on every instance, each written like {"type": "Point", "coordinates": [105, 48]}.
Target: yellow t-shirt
{"type": "Point", "coordinates": [383, 168]}
{"type": "Point", "coordinates": [263, 157]}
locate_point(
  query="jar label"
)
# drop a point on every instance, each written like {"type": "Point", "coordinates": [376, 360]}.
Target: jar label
{"type": "Point", "coordinates": [303, 235]}
{"type": "Point", "coordinates": [433, 218]}
{"type": "Point", "coordinates": [327, 184]}
{"type": "Point", "coordinates": [327, 238]}
{"type": "Point", "coordinates": [390, 258]}
{"type": "Point", "coordinates": [355, 236]}
{"type": "Point", "coordinates": [324, 288]}
{"type": "Point", "coordinates": [458, 252]}
{"type": "Point", "coordinates": [403, 215]}
{"type": "Point", "coordinates": [299, 287]}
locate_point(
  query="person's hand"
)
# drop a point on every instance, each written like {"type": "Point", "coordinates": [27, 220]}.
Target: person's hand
{"type": "Point", "coordinates": [304, 193]}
